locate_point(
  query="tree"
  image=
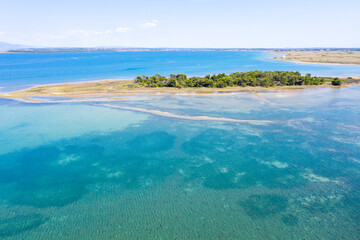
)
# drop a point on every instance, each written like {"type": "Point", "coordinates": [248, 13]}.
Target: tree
{"type": "Point", "coordinates": [171, 83]}
{"type": "Point", "coordinates": [336, 82]}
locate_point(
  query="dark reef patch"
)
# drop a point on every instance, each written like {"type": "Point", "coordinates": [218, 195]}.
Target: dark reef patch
{"type": "Point", "coordinates": [207, 142]}
{"type": "Point", "coordinates": [59, 173]}
{"type": "Point", "coordinates": [261, 206]}
{"type": "Point", "coordinates": [152, 142]}
{"type": "Point", "coordinates": [48, 176]}
{"type": "Point", "coordinates": [220, 181]}
{"type": "Point", "coordinates": [290, 219]}
{"type": "Point", "coordinates": [248, 162]}
{"type": "Point", "coordinates": [15, 225]}
{"type": "Point", "coordinates": [48, 195]}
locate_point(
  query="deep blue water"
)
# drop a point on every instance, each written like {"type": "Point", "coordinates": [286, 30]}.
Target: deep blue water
{"type": "Point", "coordinates": [85, 170]}
{"type": "Point", "coordinates": [44, 68]}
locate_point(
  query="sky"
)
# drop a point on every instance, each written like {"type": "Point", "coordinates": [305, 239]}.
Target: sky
{"type": "Point", "coordinates": [181, 23]}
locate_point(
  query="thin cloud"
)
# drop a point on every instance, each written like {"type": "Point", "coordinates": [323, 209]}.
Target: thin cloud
{"type": "Point", "coordinates": [3, 33]}
{"type": "Point", "coordinates": [90, 33]}
{"type": "Point", "coordinates": [122, 29]}
{"type": "Point", "coordinates": [151, 24]}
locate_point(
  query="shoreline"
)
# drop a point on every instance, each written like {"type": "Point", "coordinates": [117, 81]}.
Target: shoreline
{"type": "Point", "coordinates": [121, 87]}
{"type": "Point", "coordinates": [307, 62]}
{"type": "Point", "coordinates": [87, 50]}
{"type": "Point", "coordinates": [74, 82]}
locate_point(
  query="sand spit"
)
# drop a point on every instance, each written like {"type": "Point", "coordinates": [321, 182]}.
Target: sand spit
{"type": "Point", "coordinates": [70, 101]}
{"type": "Point", "coordinates": [255, 93]}
{"type": "Point", "coordinates": [34, 100]}
{"type": "Point", "coordinates": [337, 57]}
{"type": "Point", "coordinates": [194, 118]}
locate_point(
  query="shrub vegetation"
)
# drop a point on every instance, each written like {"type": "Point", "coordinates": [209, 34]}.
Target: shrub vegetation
{"type": "Point", "coordinates": [336, 82]}
{"type": "Point", "coordinates": [221, 80]}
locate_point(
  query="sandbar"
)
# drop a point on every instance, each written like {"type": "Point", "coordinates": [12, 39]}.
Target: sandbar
{"type": "Point", "coordinates": [338, 57]}
{"type": "Point", "coordinates": [186, 117]}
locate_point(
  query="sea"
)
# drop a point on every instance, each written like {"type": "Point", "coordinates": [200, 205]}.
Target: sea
{"type": "Point", "coordinates": [277, 164]}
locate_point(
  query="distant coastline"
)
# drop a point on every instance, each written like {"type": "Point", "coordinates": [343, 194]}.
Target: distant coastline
{"type": "Point", "coordinates": [324, 56]}
{"type": "Point", "coordinates": [74, 50]}
{"type": "Point", "coordinates": [139, 49]}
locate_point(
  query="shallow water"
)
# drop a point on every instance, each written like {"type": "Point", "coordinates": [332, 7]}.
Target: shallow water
{"type": "Point", "coordinates": [85, 171]}
{"type": "Point", "coordinates": [22, 70]}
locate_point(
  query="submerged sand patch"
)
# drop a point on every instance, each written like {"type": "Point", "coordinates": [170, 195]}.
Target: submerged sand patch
{"type": "Point", "coordinates": [276, 164]}
{"type": "Point", "coordinates": [309, 175]}
{"type": "Point", "coordinates": [194, 118]}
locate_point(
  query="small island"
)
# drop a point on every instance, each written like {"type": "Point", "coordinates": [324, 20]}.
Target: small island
{"type": "Point", "coordinates": [238, 81]}
{"type": "Point", "coordinates": [320, 56]}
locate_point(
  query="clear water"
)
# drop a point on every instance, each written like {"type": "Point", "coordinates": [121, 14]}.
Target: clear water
{"type": "Point", "coordinates": [84, 171]}
{"type": "Point", "coordinates": [22, 70]}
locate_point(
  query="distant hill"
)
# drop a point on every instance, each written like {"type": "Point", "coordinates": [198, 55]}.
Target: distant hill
{"type": "Point", "coordinates": [9, 46]}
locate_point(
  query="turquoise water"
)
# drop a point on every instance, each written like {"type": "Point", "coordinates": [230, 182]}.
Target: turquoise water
{"type": "Point", "coordinates": [130, 170]}
{"type": "Point", "coordinates": [23, 70]}
{"type": "Point", "coordinates": [95, 171]}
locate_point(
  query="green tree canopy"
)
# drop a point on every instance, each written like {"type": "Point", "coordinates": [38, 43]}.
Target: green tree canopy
{"type": "Point", "coordinates": [250, 78]}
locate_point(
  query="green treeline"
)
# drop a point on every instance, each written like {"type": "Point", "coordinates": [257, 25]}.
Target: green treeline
{"type": "Point", "coordinates": [243, 79]}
